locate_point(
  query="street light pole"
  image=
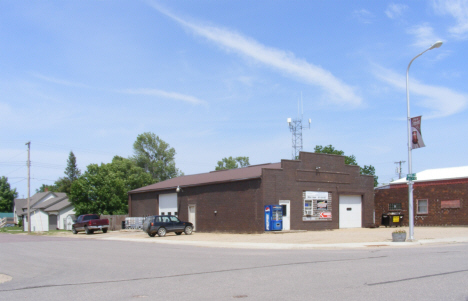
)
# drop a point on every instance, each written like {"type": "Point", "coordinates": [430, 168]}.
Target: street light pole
{"type": "Point", "coordinates": [410, 147]}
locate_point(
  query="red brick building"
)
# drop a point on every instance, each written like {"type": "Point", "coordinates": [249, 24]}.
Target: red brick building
{"type": "Point", "coordinates": [317, 192]}
{"type": "Point", "coordinates": [439, 197]}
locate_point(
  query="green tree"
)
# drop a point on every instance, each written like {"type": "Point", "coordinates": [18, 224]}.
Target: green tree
{"type": "Point", "coordinates": [64, 184]}
{"type": "Point", "coordinates": [45, 187]}
{"type": "Point", "coordinates": [72, 172]}
{"type": "Point", "coordinates": [155, 156]}
{"type": "Point", "coordinates": [231, 163]}
{"type": "Point", "coordinates": [102, 189]}
{"type": "Point", "coordinates": [350, 160]}
{"type": "Point", "coordinates": [7, 195]}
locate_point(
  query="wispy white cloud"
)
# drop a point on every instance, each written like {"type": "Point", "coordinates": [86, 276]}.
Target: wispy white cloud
{"type": "Point", "coordinates": [394, 11]}
{"type": "Point", "coordinates": [364, 16]}
{"type": "Point", "coordinates": [165, 94]}
{"type": "Point", "coordinates": [424, 35]}
{"type": "Point", "coordinates": [58, 81]}
{"type": "Point", "coordinates": [458, 9]}
{"type": "Point", "coordinates": [440, 101]}
{"type": "Point", "coordinates": [336, 90]}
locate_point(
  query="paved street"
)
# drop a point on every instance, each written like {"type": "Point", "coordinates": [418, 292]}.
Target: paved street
{"type": "Point", "coordinates": [61, 268]}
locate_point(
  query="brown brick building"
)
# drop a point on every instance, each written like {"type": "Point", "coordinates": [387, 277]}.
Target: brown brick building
{"type": "Point", "coordinates": [317, 192]}
{"type": "Point", "coordinates": [439, 197]}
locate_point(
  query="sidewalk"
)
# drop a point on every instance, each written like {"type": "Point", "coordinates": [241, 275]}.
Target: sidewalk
{"type": "Point", "coordinates": [341, 238]}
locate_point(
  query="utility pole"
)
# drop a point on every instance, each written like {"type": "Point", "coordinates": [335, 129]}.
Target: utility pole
{"type": "Point", "coordinates": [398, 169]}
{"type": "Point", "coordinates": [29, 185]}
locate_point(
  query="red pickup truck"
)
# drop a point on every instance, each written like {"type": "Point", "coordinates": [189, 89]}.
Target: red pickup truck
{"type": "Point", "coordinates": [90, 223]}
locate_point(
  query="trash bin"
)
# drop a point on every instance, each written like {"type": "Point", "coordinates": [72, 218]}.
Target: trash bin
{"type": "Point", "coordinates": [123, 225]}
{"type": "Point", "coordinates": [385, 220]}
{"type": "Point", "coordinates": [395, 219]}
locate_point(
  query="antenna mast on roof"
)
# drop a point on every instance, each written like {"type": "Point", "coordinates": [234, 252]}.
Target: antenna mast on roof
{"type": "Point", "coordinates": [295, 126]}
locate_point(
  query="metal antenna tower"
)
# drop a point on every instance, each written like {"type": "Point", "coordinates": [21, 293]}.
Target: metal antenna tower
{"type": "Point", "coordinates": [295, 126]}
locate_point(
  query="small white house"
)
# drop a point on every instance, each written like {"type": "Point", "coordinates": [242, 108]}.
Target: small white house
{"type": "Point", "coordinates": [48, 211]}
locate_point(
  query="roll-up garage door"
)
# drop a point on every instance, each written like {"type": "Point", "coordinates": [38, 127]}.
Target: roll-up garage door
{"type": "Point", "coordinates": [168, 204]}
{"type": "Point", "coordinates": [350, 211]}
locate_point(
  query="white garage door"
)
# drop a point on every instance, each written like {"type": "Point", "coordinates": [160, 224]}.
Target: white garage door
{"type": "Point", "coordinates": [168, 204]}
{"type": "Point", "coordinates": [350, 211]}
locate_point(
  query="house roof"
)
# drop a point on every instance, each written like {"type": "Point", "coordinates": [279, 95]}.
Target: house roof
{"type": "Point", "coordinates": [49, 202]}
{"type": "Point", "coordinates": [220, 176]}
{"type": "Point", "coordinates": [22, 204]}
{"type": "Point", "coordinates": [19, 204]}
{"type": "Point", "coordinates": [438, 174]}
{"type": "Point", "coordinates": [64, 203]}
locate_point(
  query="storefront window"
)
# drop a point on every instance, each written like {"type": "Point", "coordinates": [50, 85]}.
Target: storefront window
{"type": "Point", "coordinates": [308, 209]}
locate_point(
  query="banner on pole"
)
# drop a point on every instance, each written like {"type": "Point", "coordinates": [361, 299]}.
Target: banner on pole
{"type": "Point", "coordinates": [416, 138]}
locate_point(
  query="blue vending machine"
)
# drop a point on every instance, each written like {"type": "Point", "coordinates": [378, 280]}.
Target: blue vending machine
{"type": "Point", "coordinates": [273, 218]}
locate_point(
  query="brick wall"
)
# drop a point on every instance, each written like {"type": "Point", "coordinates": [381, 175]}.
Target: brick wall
{"type": "Point", "coordinates": [434, 193]}
{"type": "Point", "coordinates": [143, 204]}
{"type": "Point", "coordinates": [333, 177]}
{"type": "Point", "coordinates": [238, 205]}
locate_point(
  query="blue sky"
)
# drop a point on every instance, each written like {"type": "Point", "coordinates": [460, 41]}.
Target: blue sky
{"type": "Point", "coordinates": [220, 78]}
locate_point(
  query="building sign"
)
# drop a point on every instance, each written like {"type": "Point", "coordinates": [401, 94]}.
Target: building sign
{"type": "Point", "coordinates": [326, 214]}
{"type": "Point", "coordinates": [450, 204]}
{"type": "Point", "coordinates": [416, 138]}
{"type": "Point", "coordinates": [322, 205]}
{"type": "Point", "coordinates": [316, 195]}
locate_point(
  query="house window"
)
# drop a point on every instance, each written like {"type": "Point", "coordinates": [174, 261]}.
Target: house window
{"type": "Point", "coordinates": [447, 204]}
{"type": "Point", "coordinates": [422, 206]}
{"type": "Point", "coordinates": [394, 206]}
{"type": "Point", "coordinates": [308, 209]}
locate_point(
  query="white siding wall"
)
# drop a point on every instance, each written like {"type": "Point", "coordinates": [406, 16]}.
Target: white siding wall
{"type": "Point", "coordinates": [39, 221]}
{"type": "Point", "coordinates": [62, 214]}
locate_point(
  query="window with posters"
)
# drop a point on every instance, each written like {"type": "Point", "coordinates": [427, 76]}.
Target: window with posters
{"type": "Point", "coordinates": [317, 206]}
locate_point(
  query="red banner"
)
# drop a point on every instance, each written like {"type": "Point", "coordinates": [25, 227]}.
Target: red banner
{"type": "Point", "coordinates": [416, 138]}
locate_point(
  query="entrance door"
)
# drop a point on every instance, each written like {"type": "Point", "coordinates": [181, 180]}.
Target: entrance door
{"type": "Point", "coordinates": [52, 222]}
{"type": "Point", "coordinates": [191, 216]}
{"type": "Point", "coordinates": [286, 215]}
{"type": "Point", "coordinates": [350, 211]}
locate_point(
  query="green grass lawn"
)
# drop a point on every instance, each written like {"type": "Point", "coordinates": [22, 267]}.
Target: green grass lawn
{"type": "Point", "coordinates": [11, 229]}
{"type": "Point", "coordinates": [14, 230]}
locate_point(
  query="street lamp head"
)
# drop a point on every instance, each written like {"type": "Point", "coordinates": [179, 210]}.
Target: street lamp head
{"type": "Point", "coordinates": [436, 45]}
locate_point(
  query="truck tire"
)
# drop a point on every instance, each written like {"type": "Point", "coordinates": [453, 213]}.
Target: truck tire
{"type": "Point", "coordinates": [88, 232]}
{"type": "Point", "coordinates": [74, 231]}
{"type": "Point", "coordinates": [104, 230]}
{"type": "Point", "coordinates": [151, 234]}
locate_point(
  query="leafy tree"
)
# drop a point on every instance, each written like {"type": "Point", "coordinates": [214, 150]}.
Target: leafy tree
{"type": "Point", "coordinates": [155, 156]}
{"type": "Point", "coordinates": [370, 170]}
{"type": "Point", "coordinates": [102, 189]}
{"type": "Point", "coordinates": [350, 160]}
{"type": "Point", "coordinates": [231, 163]}
{"type": "Point", "coordinates": [48, 187]}
{"type": "Point", "coordinates": [63, 184]}
{"type": "Point", "coordinates": [7, 195]}
{"type": "Point", "coordinates": [329, 149]}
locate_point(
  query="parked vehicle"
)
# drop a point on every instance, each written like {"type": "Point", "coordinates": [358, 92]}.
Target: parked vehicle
{"type": "Point", "coordinates": [90, 223]}
{"type": "Point", "coordinates": [162, 224]}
